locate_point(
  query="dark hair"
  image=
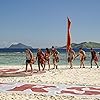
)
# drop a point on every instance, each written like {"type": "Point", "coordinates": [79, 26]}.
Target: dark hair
{"type": "Point", "coordinates": [91, 48]}
{"type": "Point", "coordinates": [52, 46]}
{"type": "Point", "coordinates": [48, 50]}
{"type": "Point", "coordinates": [80, 48]}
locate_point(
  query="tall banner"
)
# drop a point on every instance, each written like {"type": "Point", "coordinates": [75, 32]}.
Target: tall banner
{"type": "Point", "coordinates": [68, 35]}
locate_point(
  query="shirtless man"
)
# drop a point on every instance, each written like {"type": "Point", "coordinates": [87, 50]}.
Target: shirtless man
{"type": "Point", "coordinates": [71, 56]}
{"type": "Point", "coordinates": [55, 57]}
{"type": "Point", "coordinates": [82, 57]}
{"type": "Point", "coordinates": [94, 57]}
{"type": "Point", "coordinates": [29, 59]}
{"type": "Point", "coordinates": [40, 59]}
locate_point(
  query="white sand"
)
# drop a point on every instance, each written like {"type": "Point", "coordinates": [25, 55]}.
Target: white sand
{"type": "Point", "coordinates": [76, 76]}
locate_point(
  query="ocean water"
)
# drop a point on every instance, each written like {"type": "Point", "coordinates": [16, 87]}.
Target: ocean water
{"type": "Point", "coordinates": [17, 57]}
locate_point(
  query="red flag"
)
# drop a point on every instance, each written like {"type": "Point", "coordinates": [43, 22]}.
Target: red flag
{"type": "Point", "coordinates": [68, 35]}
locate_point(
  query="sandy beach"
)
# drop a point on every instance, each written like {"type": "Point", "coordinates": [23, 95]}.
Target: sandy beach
{"type": "Point", "coordinates": [63, 75]}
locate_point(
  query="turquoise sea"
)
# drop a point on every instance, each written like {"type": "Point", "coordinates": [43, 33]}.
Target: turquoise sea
{"type": "Point", "coordinates": [17, 57]}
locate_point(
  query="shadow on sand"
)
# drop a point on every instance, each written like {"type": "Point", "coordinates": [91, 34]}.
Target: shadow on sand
{"type": "Point", "coordinates": [13, 73]}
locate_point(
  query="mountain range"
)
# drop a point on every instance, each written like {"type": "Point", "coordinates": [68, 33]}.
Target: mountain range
{"type": "Point", "coordinates": [74, 45]}
{"type": "Point", "coordinates": [19, 45]}
{"type": "Point", "coordinates": [84, 45]}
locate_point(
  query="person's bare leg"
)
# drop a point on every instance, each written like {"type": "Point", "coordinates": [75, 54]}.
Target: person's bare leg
{"type": "Point", "coordinates": [26, 67]}
{"type": "Point", "coordinates": [80, 64]}
{"type": "Point", "coordinates": [49, 64]}
{"type": "Point", "coordinates": [31, 68]}
{"type": "Point", "coordinates": [96, 64]}
{"type": "Point", "coordinates": [83, 64]}
{"type": "Point", "coordinates": [39, 65]}
{"type": "Point", "coordinates": [42, 67]}
{"type": "Point", "coordinates": [91, 62]}
{"type": "Point", "coordinates": [71, 66]}
{"type": "Point", "coordinates": [54, 63]}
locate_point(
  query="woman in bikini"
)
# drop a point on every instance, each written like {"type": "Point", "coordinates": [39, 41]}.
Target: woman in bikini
{"type": "Point", "coordinates": [82, 55]}
{"type": "Point", "coordinates": [94, 57]}
{"type": "Point", "coordinates": [40, 59]}
{"type": "Point", "coordinates": [47, 57]}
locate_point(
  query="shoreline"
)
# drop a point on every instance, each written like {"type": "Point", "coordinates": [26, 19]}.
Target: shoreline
{"type": "Point", "coordinates": [35, 65]}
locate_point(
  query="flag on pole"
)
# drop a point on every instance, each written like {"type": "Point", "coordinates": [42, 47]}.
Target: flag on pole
{"type": "Point", "coordinates": [68, 35]}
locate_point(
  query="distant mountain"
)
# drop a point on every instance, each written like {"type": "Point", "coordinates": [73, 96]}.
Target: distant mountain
{"type": "Point", "coordinates": [19, 45]}
{"type": "Point", "coordinates": [85, 45]}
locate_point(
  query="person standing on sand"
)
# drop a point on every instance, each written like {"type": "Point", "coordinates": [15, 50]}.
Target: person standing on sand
{"type": "Point", "coordinates": [40, 59]}
{"type": "Point", "coordinates": [47, 57]}
{"type": "Point", "coordinates": [71, 56]}
{"type": "Point", "coordinates": [29, 59]}
{"type": "Point", "coordinates": [82, 55]}
{"type": "Point", "coordinates": [94, 57]}
{"type": "Point", "coordinates": [55, 57]}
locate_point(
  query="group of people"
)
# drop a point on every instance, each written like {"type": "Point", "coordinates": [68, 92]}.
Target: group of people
{"type": "Point", "coordinates": [42, 58]}
{"type": "Point", "coordinates": [82, 54]}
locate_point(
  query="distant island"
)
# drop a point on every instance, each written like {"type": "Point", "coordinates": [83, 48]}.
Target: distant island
{"type": "Point", "coordinates": [19, 45]}
{"type": "Point", "coordinates": [74, 45]}
{"type": "Point", "coordinates": [84, 45]}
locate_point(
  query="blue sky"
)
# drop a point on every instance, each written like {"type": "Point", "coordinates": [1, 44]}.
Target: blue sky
{"type": "Point", "coordinates": [42, 23]}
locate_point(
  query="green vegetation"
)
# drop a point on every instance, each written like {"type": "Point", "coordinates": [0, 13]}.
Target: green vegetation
{"type": "Point", "coordinates": [85, 45]}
